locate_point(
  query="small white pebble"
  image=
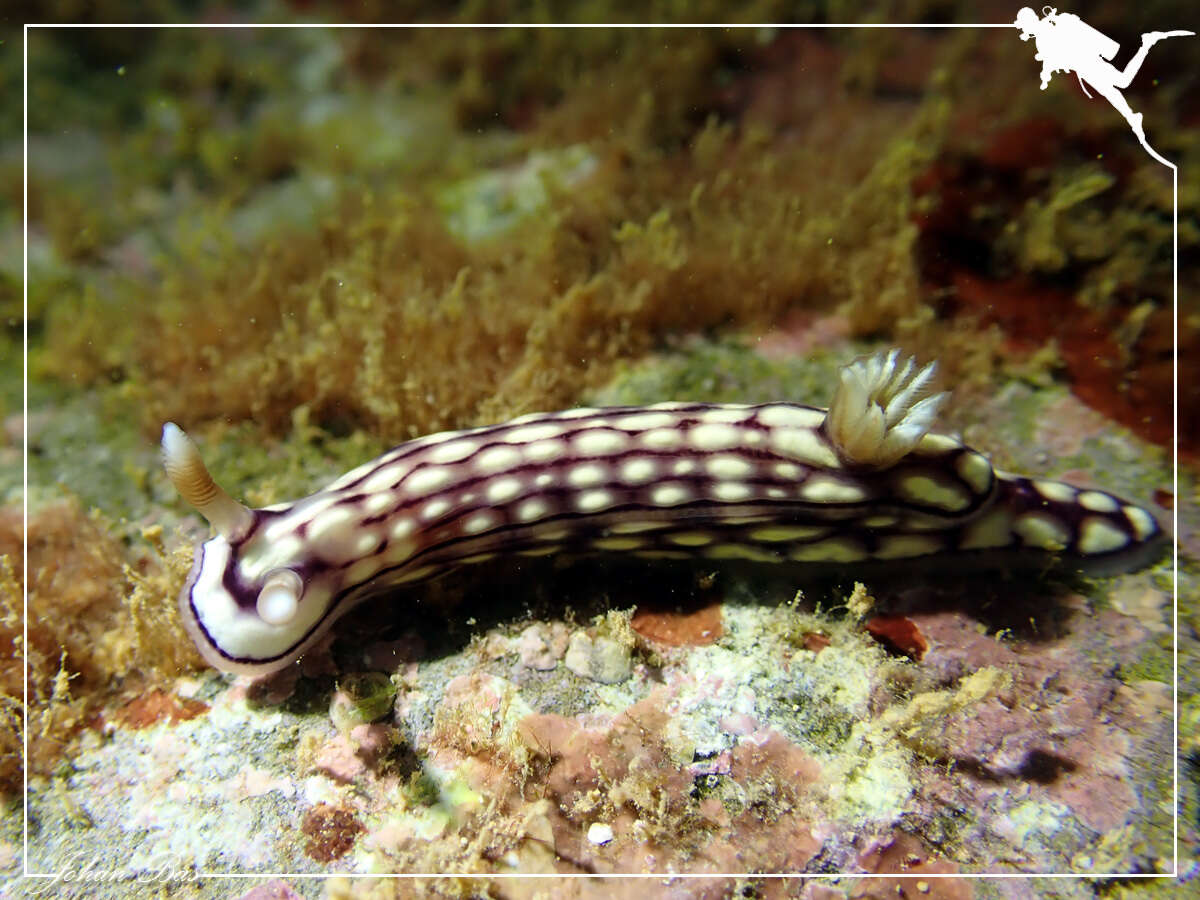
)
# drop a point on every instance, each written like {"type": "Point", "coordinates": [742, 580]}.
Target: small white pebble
{"type": "Point", "coordinates": [600, 833]}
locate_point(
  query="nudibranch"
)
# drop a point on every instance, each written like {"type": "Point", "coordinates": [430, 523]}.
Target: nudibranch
{"type": "Point", "coordinates": [864, 481]}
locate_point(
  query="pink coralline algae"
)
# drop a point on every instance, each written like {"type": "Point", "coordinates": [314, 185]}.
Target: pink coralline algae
{"type": "Point", "coordinates": [349, 756]}
{"type": "Point", "coordinates": [904, 854]}
{"type": "Point", "coordinates": [563, 778]}
{"type": "Point", "coordinates": [1062, 735]}
{"type": "Point", "coordinates": [275, 889]}
{"type": "Point", "coordinates": [624, 772]}
{"type": "Point", "coordinates": [541, 646]}
{"type": "Point", "coordinates": [1005, 743]}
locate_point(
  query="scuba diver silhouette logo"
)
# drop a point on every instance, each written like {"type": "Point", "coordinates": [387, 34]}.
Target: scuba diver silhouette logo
{"type": "Point", "coordinates": [1066, 43]}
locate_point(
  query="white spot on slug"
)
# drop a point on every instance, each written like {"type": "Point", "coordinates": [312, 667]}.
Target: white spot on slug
{"type": "Point", "coordinates": [831, 550]}
{"type": "Point", "coordinates": [282, 551]}
{"type": "Point", "coordinates": [936, 445]}
{"type": "Point", "coordinates": [1097, 502]}
{"type": "Point", "coordinates": [726, 415]}
{"type": "Point", "coordinates": [1100, 536]}
{"type": "Point", "coordinates": [1143, 523]}
{"type": "Point", "coordinates": [590, 501]}
{"type": "Point", "coordinates": [374, 504]}
{"type": "Point", "coordinates": [352, 476]}
{"type": "Point", "coordinates": [637, 527]}
{"type": "Point", "coordinates": [544, 451]}
{"type": "Point", "coordinates": [398, 552]}
{"type": "Point", "coordinates": [879, 521]}
{"type": "Point", "coordinates": [415, 575]}
{"type": "Point", "coordinates": [1042, 530]}
{"type": "Point", "coordinates": [538, 551]}
{"type": "Point", "coordinates": [821, 488]}
{"type": "Point", "coordinates": [728, 467]}
{"type": "Point", "coordinates": [646, 421]}
{"type": "Point", "coordinates": [333, 530]}
{"type": "Point", "coordinates": [975, 470]}
{"type": "Point", "coordinates": [731, 491]}
{"type": "Point", "coordinates": [363, 570]}
{"type": "Point", "coordinates": [662, 439]}
{"type": "Point", "coordinates": [531, 509]}
{"type": "Point", "coordinates": [531, 433]}
{"type": "Point", "coordinates": [504, 489]}
{"type": "Point", "coordinates": [365, 543]}
{"type": "Point", "coordinates": [442, 437]}
{"type": "Point", "coordinates": [453, 451]}
{"type": "Point", "coordinates": [597, 442]}
{"type": "Point", "coordinates": [1056, 491]}
{"type": "Point", "coordinates": [919, 521]}
{"type": "Point", "coordinates": [638, 470]}
{"type": "Point", "coordinates": [776, 533]}
{"type": "Point", "coordinates": [714, 437]}
{"type": "Point", "coordinates": [617, 543]}
{"type": "Point", "coordinates": [690, 539]}
{"type": "Point", "coordinates": [480, 521]}
{"type": "Point", "coordinates": [804, 446]}
{"type": "Point", "coordinates": [929, 490]}
{"type": "Point", "coordinates": [587, 475]}
{"type": "Point", "coordinates": [497, 459]}
{"type": "Point", "coordinates": [581, 413]}
{"type": "Point", "coordinates": [385, 479]}
{"type": "Point", "coordinates": [672, 404]}
{"type": "Point", "coordinates": [787, 416]}
{"type": "Point", "coordinates": [741, 551]}
{"type": "Point", "coordinates": [304, 511]}
{"type": "Point", "coordinates": [477, 558]}
{"type": "Point", "coordinates": [527, 417]}
{"type": "Point", "coordinates": [670, 495]}
{"type": "Point", "coordinates": [992, 529]}
{"type": "Point", "coordinates": [428, 479]}
{"type": "Point", "coordinates": [898, 546]}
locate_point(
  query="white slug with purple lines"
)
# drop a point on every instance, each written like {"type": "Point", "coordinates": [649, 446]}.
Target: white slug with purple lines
{"type": "Point", "coordinates": [863, 481]}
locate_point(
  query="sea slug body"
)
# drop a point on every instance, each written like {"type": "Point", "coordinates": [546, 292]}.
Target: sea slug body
{"type": "Point", "coordinates": [864, 481]}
